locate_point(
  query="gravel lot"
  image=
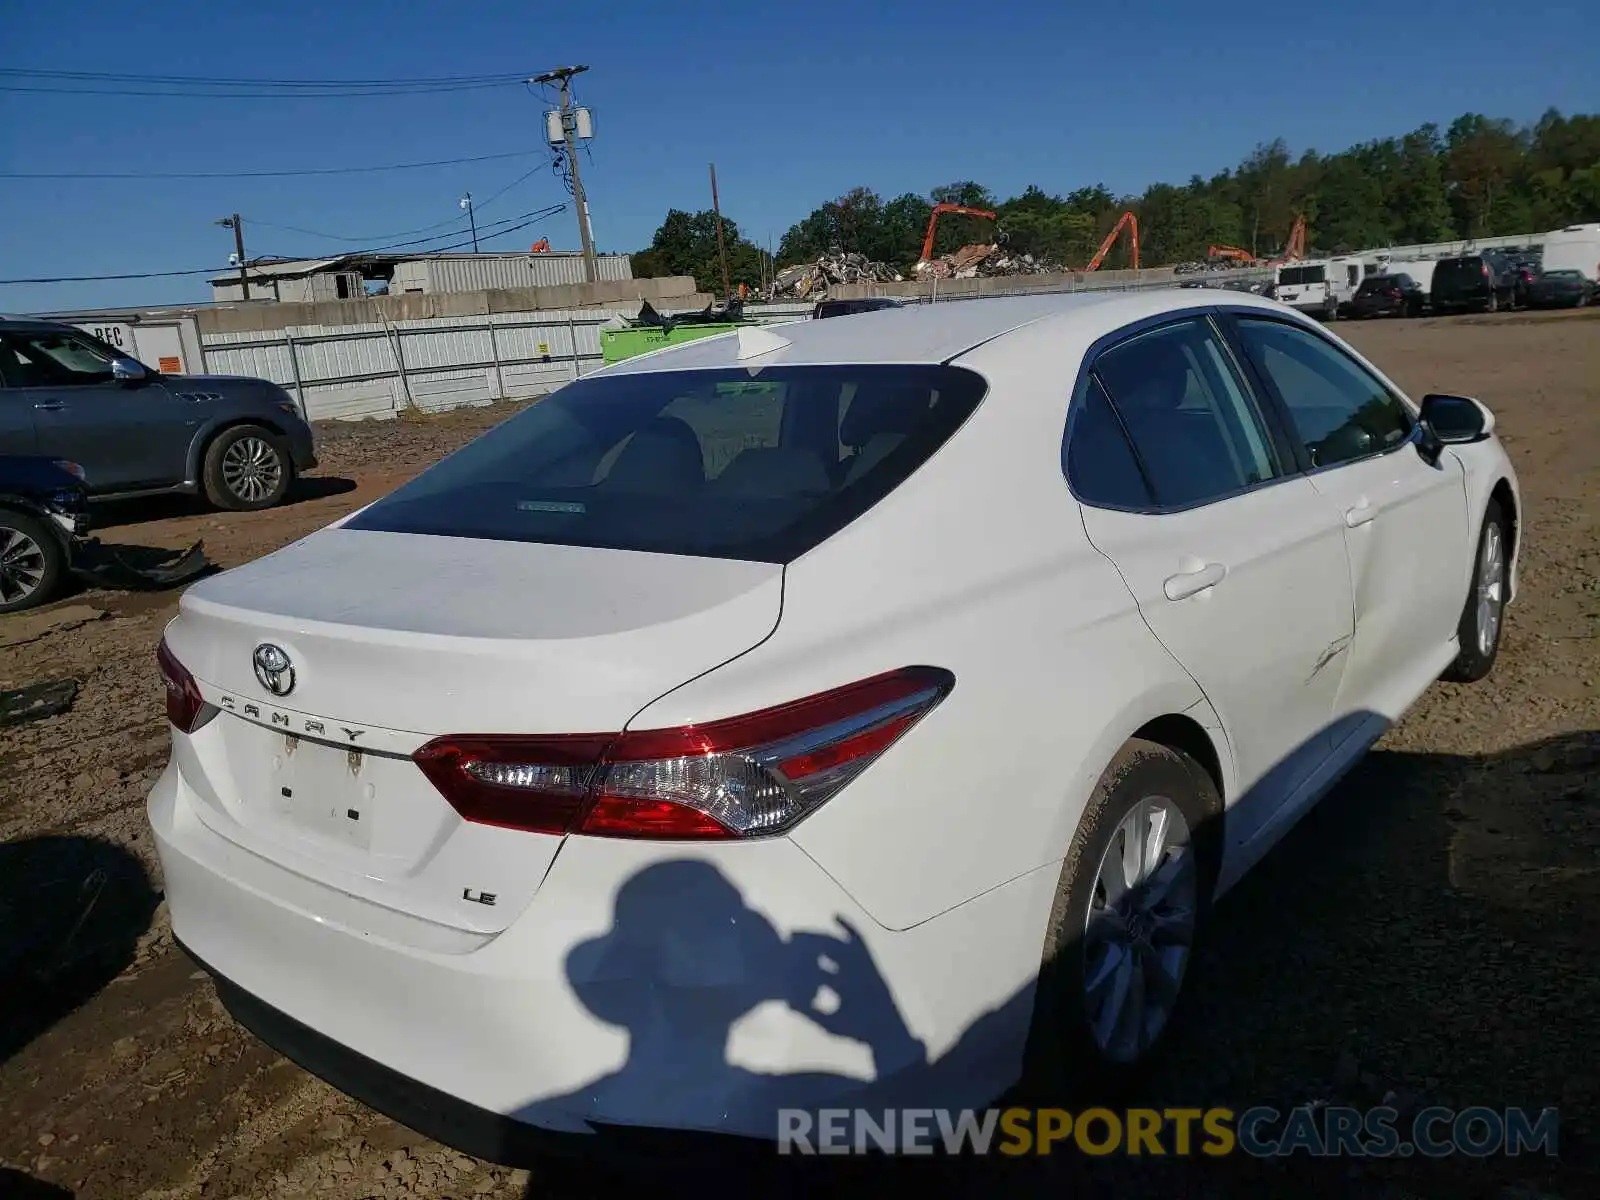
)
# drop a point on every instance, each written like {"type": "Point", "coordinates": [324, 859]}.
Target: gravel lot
{"type": "Point", "coordinates": [1431, 930]}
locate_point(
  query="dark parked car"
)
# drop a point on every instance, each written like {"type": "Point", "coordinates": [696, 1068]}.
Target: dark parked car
{"type": "Point", "coordinates": [1561, 289]}
{"type": "Point", "coordinates": [1483, 282]}
{"type": "Point", "coordinates": [43, 508]}
{"type": "Point", "coordinates": [67, 395]}
{"type": "Point", "coordinates": [844, 308]}
{"type": "Point", "coordinates": [1381, 295]}
{"type": "Point", "coordinates": [44, 523]}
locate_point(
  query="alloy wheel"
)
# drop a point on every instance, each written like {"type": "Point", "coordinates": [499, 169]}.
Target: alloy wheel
{"type": "Point", "coordinates": [22, 565]}
{"type": "Point", "coordinates": [251, 469]}
{"type": "Point", "coordinates": [1140, 929]}
{"type": "Point", "coordinates": [1491, 588]}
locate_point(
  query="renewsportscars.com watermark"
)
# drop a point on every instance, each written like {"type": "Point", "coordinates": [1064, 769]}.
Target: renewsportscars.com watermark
{"type": "Point", "coordinates": [1317, 1131]}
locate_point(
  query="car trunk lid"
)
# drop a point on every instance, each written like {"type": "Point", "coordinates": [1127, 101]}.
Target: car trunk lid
{"type": "Point", "coordinates": [393, 639]}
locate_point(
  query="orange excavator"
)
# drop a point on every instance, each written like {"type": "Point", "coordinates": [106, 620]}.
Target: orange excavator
{"type": "Point", "coordinates": [1129, 222]}
{"type": "Point", "coordinates": [1293, 251]}
{"type": "Point", "coordinates": [1243, 257]}
{"type": "Point", "coordinates": [933, 222]}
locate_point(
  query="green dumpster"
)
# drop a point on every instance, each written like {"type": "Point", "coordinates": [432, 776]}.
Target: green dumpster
{"type": "Point", "coordinates": [618, 344]}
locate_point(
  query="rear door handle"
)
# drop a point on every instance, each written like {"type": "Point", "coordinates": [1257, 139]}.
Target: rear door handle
{"type": "Point", "coordinates": [1182, 586]}
{"type": "Point", "coordinates": [1360, 514]}
{"type": "Point", "coordinates": [51, 406]}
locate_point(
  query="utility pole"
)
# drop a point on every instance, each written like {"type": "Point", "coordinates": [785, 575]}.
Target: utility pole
{"type": "Point", "coordinates": [466, 203]}
{"type": "Point", "coordinates": [722, 248]}
{"type": "Point", "coordinates": [563, 77]}
{"type": "Point", "coordinates": [237, 225]}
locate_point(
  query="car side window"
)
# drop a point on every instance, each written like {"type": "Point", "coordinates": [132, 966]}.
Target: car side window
{"type": "Point", "coordinates": [1339, 409]}
{"type": "Point", "coordinates": [55, 360]}
{"type": "Point", "coordinates": [1193, 423]}
{"type": "Point", "coordinates": [1101, 465]}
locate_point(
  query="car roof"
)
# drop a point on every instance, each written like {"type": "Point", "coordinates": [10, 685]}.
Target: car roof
{"type": "Point", "coordinates": [929, 333]}
{"type": "Point", "coordinates": [31, 325]}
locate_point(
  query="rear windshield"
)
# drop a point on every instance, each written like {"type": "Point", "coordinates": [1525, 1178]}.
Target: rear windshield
{"type": "Point", "coordinates": [717, 463]}
{"type": "Point", "coordinates": [1299, 275]}
{"type": "Point", "coordinates": [1458, 270]}
{"type": "Point", "coordinates": [1377, 283]}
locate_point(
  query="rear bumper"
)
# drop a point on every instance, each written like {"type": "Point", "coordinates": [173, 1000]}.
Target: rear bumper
{"type": "Point", "coordinates": [444, 1118]}
{"type": "Point", "coordinates": [302, 450]}
{"type": "Point", "coordinates": [646, 986]}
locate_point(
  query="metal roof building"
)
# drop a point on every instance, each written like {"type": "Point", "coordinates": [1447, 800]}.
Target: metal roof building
{"type": "Point", "coordinates": [355, 276]}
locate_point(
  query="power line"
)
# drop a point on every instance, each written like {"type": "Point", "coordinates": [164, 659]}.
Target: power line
{"type": "Point", "coordinates": [536, 215]}
{"type": "Point", "coordinates": [238, 95]}
{"type": "Point", "coordinates": [378, 237]}
{"type": "Point", "coordinates": [536, 218]}
{"type": "Point", "coordinates": [99, 278]}
{"type": "Point", "coordinates": [247, 82]}
{"type": "Point", "coordinates": [441, 162]}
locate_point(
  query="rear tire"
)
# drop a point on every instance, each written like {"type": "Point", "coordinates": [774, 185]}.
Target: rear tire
{"type": "Point", "coordinates": [1483, 615]}
{"type": "Point", "coordinates": [32, 562]}
{"type": "Point", "coordinates": [246, 468]}
{"type": "Point", "coordinates": [1100, 945]}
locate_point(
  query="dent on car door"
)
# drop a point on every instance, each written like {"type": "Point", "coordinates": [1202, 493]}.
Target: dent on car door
{"type": "Point", "coordinates": [1404, 519]}
{"type": "Point", "coordinates": [125, 435]}
{"type": "Point", "coordinates": [1236, 563]}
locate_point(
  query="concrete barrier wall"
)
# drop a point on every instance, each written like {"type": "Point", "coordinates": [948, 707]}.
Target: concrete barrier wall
{"type": "Point", "coordinates": [677, 291]}
{"type": "Point", "coordinates": [1012, 285]}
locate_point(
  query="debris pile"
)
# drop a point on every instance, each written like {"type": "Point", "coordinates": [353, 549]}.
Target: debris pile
{"type": "Point", "coordinates": [812, 280]}
{"type": "Point", "coordinates": [984, 260]}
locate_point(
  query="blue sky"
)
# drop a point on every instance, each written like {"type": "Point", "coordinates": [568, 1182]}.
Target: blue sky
{"type": "Point", "coordinates": [795, 103]}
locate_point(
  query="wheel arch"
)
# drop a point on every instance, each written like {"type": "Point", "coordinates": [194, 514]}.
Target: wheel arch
{"type": "Point", "coordinates": [1188, 737]}
{"type": "Point", "coordinates": [1503, 494]}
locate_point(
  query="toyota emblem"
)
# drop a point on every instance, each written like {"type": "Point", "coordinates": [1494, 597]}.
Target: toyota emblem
{"type": "Point", "coordinates": [274, 669]}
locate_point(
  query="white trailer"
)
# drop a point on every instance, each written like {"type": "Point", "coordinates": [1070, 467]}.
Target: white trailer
{"type": "Point", "coordinates": [1575, 248]}
{"type": "Point", "coordinates": [1420, 270]}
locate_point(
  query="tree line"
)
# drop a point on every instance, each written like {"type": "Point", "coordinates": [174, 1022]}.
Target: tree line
{"type": "Point", "coordinates": [1481, 177]}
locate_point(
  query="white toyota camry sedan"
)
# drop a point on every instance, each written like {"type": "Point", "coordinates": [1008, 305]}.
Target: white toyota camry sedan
{"type": "Point", "coordinates": [838, 714]}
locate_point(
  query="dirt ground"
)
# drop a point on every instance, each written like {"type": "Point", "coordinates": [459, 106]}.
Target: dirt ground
{"type": "Point", "coordinates": [1430, 934]}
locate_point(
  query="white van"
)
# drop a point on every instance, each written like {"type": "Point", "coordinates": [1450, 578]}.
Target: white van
{"type": "Point", "coordinates": [1319, 286]}
{"type": "Point", "coordinates": [1575, 248]}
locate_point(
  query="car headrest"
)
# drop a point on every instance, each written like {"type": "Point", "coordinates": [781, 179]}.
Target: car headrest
{"type": "Point", "coordinates": [894, 410]}
{"type": "Point", "coordinates": [663, 455]}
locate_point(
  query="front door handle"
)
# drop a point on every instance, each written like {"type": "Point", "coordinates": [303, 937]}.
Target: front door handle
{"type": "Point", "coordinates": [1186, 584]}
{"type": "Point", "coordinates": [1360, 514]}
{"type": "Point", "coordinates": [50, 406]}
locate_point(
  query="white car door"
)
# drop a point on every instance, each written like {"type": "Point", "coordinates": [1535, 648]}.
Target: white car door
{"type": "Point", "coordinates": [1405, 520]}
{"type": "Point", "coordinates": [1237, 564]}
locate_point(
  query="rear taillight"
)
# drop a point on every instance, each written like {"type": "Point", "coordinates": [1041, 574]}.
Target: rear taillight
{"type": "Point", "coordinates": [1486, 273]}
{"type": "Point", "coordinates": [741, 777]}
{"type": "Point", "coordinates": [186, 709]}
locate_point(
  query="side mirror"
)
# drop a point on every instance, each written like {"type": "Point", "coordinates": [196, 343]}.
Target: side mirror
{"type": "Point", "coordinates": [1451, 421]}
{"type": "Point", "coordinates": [125, 370]}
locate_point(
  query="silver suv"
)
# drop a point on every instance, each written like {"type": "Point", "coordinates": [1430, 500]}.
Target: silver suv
{"type": "Point", "coordinates": [65, 394]}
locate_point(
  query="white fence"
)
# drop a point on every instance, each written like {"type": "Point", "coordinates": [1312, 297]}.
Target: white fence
{"type": "Point", "coordinates": [351, 371]}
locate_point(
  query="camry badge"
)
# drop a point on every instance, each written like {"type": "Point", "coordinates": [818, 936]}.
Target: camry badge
{"type": "Point", "coordinates": [273, 669]}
